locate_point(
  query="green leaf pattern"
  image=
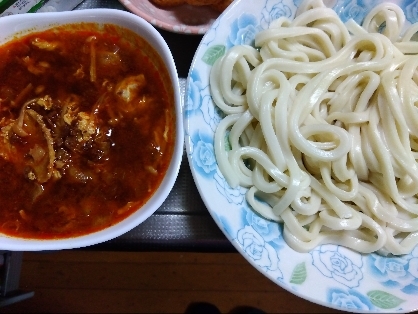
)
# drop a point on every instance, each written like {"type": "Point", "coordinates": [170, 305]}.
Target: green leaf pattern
{"type": "Point", "coordinates": [213, 54]}
{"type": "Point", "coordinates": [384, 300]}
{"type": "Point", "coordinates": [299, 274]}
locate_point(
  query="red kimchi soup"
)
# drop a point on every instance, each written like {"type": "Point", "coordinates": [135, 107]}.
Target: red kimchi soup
{"type": "Point", "coordinates": [87, 126]}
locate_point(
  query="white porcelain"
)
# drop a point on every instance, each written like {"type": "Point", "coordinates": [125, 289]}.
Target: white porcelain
{"type": "Point", "coordinates": [329, 275]}
{"type": "Point", "coordinates": [21, 24]}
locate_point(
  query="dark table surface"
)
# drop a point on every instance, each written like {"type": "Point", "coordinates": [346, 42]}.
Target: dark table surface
{"type": "Point", "coordinates": [182, 223]}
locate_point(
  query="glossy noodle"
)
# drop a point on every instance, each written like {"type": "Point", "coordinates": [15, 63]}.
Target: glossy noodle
{"type": "Point", "coordinates": [322, 124]}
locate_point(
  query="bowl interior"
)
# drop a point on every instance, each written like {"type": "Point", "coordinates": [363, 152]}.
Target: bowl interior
{"type": "Point", "coordinates": [19, 25]}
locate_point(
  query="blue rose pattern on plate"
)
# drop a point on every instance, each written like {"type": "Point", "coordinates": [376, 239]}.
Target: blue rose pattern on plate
{"type": "Point", "coordinates": [203, 158]}
{"type": "Point", "coordinates": [198, 100]}
{"type": "Point", "coordinates": [243, 30]}
{"type": "Point", "coordinates": [356, 10]}
{"type": "Point", "coordinates": [261, 252]}
{"type": "Point", "coordinates": [335, 262]}
{"type": "Point", "coordinates": [270, 231]}
{"type": "Point", "coordinates": [397, 272]}
{"type": "Point", "coordinates": [235, 196]}
{"type": "Point", "coordinates": [194, 97]}
{"type": "Point", "coordinates": [411, 10]}
{"type": "Point", "coordinates": [275, 9]}
{"type": "Point", "coordinates": [350, 300]}
{"type": "Point", "coordinates": [329, 275]}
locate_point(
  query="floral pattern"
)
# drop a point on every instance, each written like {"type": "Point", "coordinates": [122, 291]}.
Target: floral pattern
{"type": "Point", "coordinates": [275, 9]}
{"type": "Point", "coordinates": [197, 99]}
{"type": "Point", "coordinates": [350, 300]}
{"type": "Point", "coordinates": [203, 156]}
{"type": "Point", "coordinates": [194, 96]}
{"type": "Point", "coordinates": [329, 275]}
{"type": "Point", "coordinates": [396, 272]}
{"type": "Point", "coordinates": [243, 30]}
{"type": "Point", "coordinates": [270, 231]}
{"type": "Point", "coordinates": [232, 195]}
{"type": "Point", "coordinates": [411, 11]}
{"type": "Point", "coordinates": [356, 10]}
{"type": "Point", "coordinates": [260, 251]}
{"type": "Point", "coordinates": [335, 262]}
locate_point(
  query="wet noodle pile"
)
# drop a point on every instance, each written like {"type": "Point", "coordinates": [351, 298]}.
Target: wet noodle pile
{"type": "Point", "coordinates": [322, 122]}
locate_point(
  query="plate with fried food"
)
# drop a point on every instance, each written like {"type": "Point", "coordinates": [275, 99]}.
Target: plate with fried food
{"type": "Point", "coordinates": [179, 16]}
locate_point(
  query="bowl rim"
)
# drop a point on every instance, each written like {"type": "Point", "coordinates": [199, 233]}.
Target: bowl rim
{"type": "Point", "coordinates": [18, 25]}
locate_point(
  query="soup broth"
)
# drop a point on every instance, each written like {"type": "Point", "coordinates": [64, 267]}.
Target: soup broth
{"type": "Point", "coordinates": [87, 129]}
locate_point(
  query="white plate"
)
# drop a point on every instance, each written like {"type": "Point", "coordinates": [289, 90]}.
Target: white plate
{"type": "Point", "coordinates": [330, 275]}
{"type": "Point", "coordinates": [183, 19]}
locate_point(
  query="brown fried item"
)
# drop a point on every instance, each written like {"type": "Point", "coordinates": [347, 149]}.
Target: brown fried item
{"type": "Point", "coordinates": [221, 5]}
{"type": "Point", "coordinates": [201, 2]}
{"type": "Point", "coordinates": [168, 3]}
{"type": "Point", "coordinates": [218, 5]}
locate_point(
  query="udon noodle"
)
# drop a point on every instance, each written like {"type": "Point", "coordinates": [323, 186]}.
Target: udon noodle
{"type": "Point", "coordinates": [322, 124]}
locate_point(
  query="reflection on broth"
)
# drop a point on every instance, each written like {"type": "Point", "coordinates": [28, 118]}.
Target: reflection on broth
{"type": "Point", "coordinates": [87, 129]}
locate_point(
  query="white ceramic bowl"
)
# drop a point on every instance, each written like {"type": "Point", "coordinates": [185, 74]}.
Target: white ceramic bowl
{"type": "Point", "coordinates": [21, 24]}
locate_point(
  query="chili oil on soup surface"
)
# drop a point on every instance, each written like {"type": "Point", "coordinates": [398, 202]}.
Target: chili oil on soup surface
{"type": "Point", "coordinates": [87, 129]}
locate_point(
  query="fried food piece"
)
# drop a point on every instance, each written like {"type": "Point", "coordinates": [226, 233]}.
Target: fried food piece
{"type": "Point", "coordinates": [168, 3]}
{"type": "Point", "coordinates": [201, 2]}
{"type": "Point", "coordinates": [218, 5]}
{"type": "Point", "coordinates": [221, 5]}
